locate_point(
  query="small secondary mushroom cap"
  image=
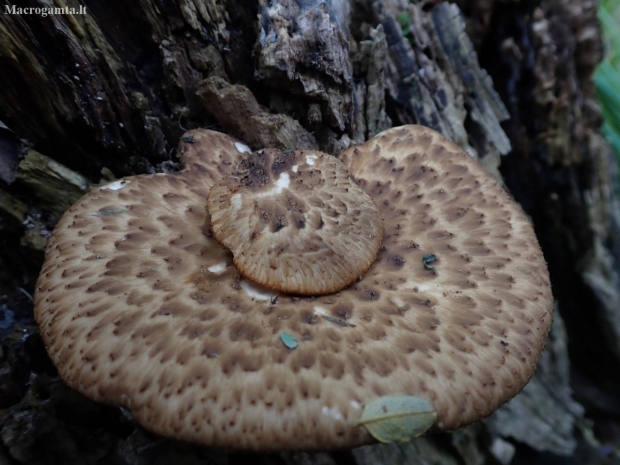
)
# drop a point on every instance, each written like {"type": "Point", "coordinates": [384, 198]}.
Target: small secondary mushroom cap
{"type": "Point", "coordinates": [295, 222]}
{"type": "Point", "coordinates": [140, 306]}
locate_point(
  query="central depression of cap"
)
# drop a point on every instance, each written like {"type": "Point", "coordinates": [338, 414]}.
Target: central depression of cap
{"type": "Point", "coordinates": [295, 222]}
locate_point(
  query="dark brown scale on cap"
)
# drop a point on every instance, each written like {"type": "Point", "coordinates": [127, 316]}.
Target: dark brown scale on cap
{"type": "Point", "coordinates": [295, 222]}
{"type": "Point", "coordinates": [142, 307]}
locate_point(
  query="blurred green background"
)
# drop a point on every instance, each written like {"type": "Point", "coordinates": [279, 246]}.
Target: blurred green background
{"type": "Point", "coordinates": [607, 75]}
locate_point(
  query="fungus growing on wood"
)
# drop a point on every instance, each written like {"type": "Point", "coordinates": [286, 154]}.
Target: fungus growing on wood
{"type": "Point", "coordinates": [295, 222]}
{"type": "Point", "coordinates": [139, 305]}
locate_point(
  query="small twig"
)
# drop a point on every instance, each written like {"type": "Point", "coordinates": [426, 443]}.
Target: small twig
{"type": "Point", "coordinates": [337, 321]}
{"type": "Point", "coordinates": [26, 293]}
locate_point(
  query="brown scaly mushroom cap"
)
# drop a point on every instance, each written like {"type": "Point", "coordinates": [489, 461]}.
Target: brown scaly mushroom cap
{"type": "Point", "coordinates": [295, 222]}
{"type": "Point", "coordinates": [140, 306]}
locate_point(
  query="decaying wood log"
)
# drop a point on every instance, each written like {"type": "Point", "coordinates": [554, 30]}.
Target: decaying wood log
{"type": "Point", "coordinates": [88, 98]}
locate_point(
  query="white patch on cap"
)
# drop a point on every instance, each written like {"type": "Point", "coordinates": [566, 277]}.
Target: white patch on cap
{"type": "Point", "coordinates": [398, 302]}
{"type": "Point", "coordinates": [320, 311]}
{"type": "Point", "coordinates": [242, 147]}
{"type": "Point", "coordinates": [332, 412]}
{"type": "Point", "coordinates": [355, 405]}
{"type": "Point", "coordinates": [255, 291]}
{"type": "Point", "coordinates": [310, 159]}
{"type": "Point", "coordinates": [282, 182]}
{"type": "Point", "coordinates": [217, 268]}
{"type": "Point", "coordinates": [295, 168]}
{"type": "Point", "coordinates": [235, 201]}
{"type": "Point", "coordinates": [427, 287]}
{"type": "Point", "coordinates": [116, 185]}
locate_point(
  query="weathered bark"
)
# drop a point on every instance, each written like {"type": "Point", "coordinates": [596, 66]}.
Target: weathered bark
{"type": "Point", "coordinates": [87, 98]}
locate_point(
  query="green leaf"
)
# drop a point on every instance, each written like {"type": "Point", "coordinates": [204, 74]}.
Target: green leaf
{"type": "Point", "coordinates": [403, 19]}
{"type": "Point", "coordinates": [398, 419]}
{"type": "Point", "coordinates": [288, 340]}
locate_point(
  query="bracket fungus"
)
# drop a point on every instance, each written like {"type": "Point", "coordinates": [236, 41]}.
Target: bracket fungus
{"type": "Point", "coordinates": [139, 305]}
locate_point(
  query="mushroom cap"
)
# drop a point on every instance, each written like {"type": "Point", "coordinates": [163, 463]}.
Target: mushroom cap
{"type": "Point", "coordinates": [140, 306]}
{"type": "Point", "coordinates": [295, 222]}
